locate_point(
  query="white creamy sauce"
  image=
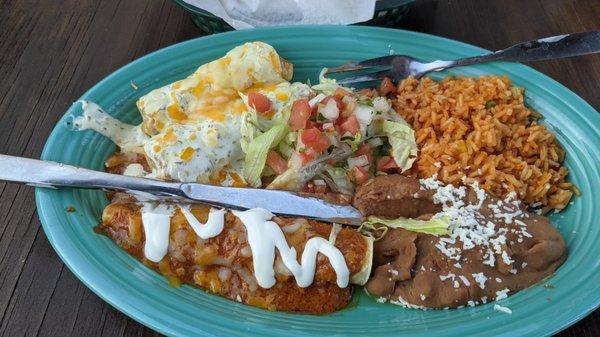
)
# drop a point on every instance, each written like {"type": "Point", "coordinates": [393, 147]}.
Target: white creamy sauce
{"type": "Point", "coordinates": [135, 170]}
{"type": "Point", "coordinates": [211, 146]}
{"type": "Point", "coordinates": [156, 220]}
{"type": "Point", "coordinates": [125, 135]}
{"type": "Point", "coordinates": [212, 227]}
{"type": "Point", "coordinates": [265, 235]}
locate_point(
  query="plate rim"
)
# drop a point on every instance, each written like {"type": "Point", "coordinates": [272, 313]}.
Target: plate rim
{"type": "Point", "coordinates": [138, 315]}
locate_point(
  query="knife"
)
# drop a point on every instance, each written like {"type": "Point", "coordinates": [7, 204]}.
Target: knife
{"type": "Point", "coordinates": [50, 174]}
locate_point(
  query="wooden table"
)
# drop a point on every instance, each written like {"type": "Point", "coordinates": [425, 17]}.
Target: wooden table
{"type": "Point", "coordinates": [51, 52]}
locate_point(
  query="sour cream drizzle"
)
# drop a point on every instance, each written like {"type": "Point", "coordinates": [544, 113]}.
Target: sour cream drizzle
{"type": "Point", "coordinates": [212, 227]}
{"type": "Point", "coordinates": [265, 235]}
{"type": "Point", "coordinates": [156, 220]}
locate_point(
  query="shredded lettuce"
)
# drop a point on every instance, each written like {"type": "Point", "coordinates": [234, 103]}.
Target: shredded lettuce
{"type": "Point", "coordinates": [295, 177]}
{"type": "Point", "coordinates": [254, 124]}
{"type": "Point", "coordinates": [326, 85]}
{"type": "Point", "coordinates": [353, 141]}
{"type": "Point", "coordinates": [402, 139]}
{"type": "Point", "coordinates": [257, 150]}
{"type": "Point", "coordinates": [435, 226]}
{"type": "Point", "coordinates": [338, 178]}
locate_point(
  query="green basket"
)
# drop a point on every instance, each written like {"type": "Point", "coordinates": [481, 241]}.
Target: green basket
{"type": "Point", "coordinates": [387, 13]}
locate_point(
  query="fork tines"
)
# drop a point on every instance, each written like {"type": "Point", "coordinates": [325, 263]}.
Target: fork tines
{"type": "Point", "coordinates": [374, 63]}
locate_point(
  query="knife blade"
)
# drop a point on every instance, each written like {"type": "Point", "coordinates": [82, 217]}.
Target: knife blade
{"type": "Point", "coordinates": [50, 174]}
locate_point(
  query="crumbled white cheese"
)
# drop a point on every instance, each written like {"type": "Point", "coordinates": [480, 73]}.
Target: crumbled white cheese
{"type": "Point", "coordinates": [449, 276]}
{"type": "Point", "coordinates": [502, 294]}
{"type": "Point", "coordinates": [423, 297]}
{"type": "Point", "coordinates": [465, 280]}
{"type": "Point", "coordinates": [480, 279]}
{"type": "Point", "coordinates": [456, 284]}
{"type": "Point", "coordinates": [468, 227]}
{"type": "Point", "coordinates": [502, 309]}
{"type": "Point", "coordinates": [402, 302]}
{"type": "Point", "coordinates": [499, 280]}
{"type": "Point", "coordinates": [506, 258]}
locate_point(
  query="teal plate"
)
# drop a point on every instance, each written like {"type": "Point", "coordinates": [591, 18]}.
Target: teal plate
{"type": "Point", "coordinates": [142, 294]}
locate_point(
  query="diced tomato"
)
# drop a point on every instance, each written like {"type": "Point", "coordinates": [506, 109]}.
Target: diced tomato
{"type": "Point", "coordinates": [387, 87]}
{"type": "Point", "coordinates": [307, 156]}
{"type": "Point", "coordinates": [340, 93]}
{"type": "Point", "coordinates": [320, 188]}
{"type": "Point", "coordinates": [276, 162]}
{"type": "Point", "coordinates": [338, 101]}
{"type": "Point", "coordinates": [358, 175]}
{"type": "Point", "coordinates": [350, 125]}
{"type": "Point", "coordinates": [314, 139]}
{"type": "Point", "coordinates": [365, 149]}
{"type": "Point", "coordinates": [386, 164]}
{"type": "Point", "coordinates": [368, 92]}
{"type": "Point", "coordinates": [259, 102]}
{"type": "Point", "coordinates": [301, 112]}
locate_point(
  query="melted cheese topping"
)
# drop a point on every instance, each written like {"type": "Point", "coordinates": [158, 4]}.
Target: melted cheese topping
{"type": "Point", "coordinates": [265, 235]}
{"type": "Point", "coordinates": [211, 92]}
{"type": "Point", "coordinates": [191, 128]}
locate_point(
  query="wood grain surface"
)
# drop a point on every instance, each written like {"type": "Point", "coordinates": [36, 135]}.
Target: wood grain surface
{"type": "Point", "coordinates": [51, 52]}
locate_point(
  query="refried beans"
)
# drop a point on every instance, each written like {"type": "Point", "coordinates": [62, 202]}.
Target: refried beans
{"type": "Point", "coordinates": [422, 270]}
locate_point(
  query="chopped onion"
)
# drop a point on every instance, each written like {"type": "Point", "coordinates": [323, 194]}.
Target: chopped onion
{"type": "Point", "coordinates": [381, 104]}
{"type": "Point", "coordinates": [364, 114]}
{"type": "Point", "coordinates": [361, 160]}
{"type": "Point", "coordinates": [246, 251]}
{"type": "Point", "coordinates": [224, 274]}
{"type": "Point", "coordinates": [375, 142]}
{"type": "Point", "coordinates": [328, 126]}
{"type": "Point", "coordinates": [329, 110]}
{"type": "Point", "coordinates": [319, 182]}
{"type": "Point", "coordinates": [316, 100]}
{"type": "Point", "coordinates": [333, 140]}
{"type": "Point", "coordinates": [280, 268]}
{"type": "Point", "coordinates": [335, 230]}
{"type": "Point", "coordinates": [244, 273]}
{"type": "Point", "coordinates": [295, 161]}
{"type": "Point", "coordinates": [294, 226]}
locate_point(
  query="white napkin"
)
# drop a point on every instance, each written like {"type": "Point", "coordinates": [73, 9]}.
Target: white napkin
{"type": "Point", "coordinates": [241, 14]}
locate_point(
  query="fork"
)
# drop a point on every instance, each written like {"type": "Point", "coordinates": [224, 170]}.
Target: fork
{"type": "Point", "coordinates": [399, 67]}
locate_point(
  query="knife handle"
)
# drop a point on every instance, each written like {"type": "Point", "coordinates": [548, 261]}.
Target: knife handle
{"type": "Point", "coordinates": [50, 174]}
